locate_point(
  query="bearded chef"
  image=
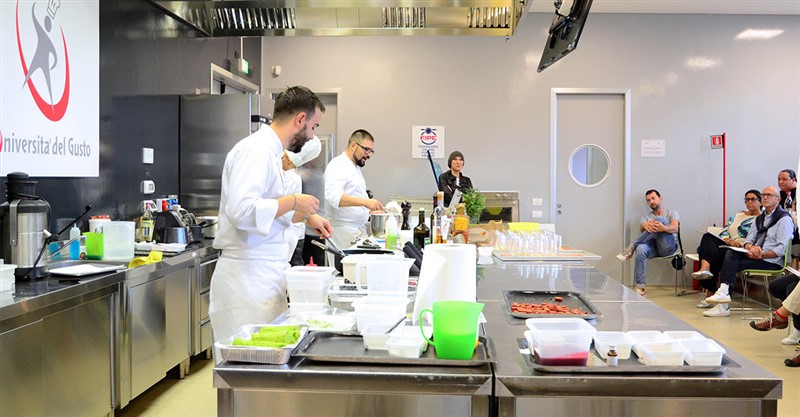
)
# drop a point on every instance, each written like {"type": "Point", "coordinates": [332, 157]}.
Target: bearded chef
{"type": "Point", "coordinates": [255, 216]}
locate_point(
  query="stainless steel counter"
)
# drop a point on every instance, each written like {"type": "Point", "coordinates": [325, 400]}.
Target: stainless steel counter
{"type": "Point", "coordinates": [509, 388]}
{"type": "Point", "coordinates": [748, 390]}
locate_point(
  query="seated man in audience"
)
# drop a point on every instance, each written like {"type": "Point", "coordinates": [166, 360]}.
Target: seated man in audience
{"type": "Point", "coordinates": [659, 238]}
{"type": "Point", "coordinates": [779, 319]}
{"type": "Point", "coordinates": [787, 182]}
{"type": "Point", "coordinates": [766, 246]}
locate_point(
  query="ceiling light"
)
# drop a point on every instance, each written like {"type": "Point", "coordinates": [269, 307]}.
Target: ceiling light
{"type": "Point", "coordinates": [701, 63]}
{"type": "Point", "coordinates": [758, 34]}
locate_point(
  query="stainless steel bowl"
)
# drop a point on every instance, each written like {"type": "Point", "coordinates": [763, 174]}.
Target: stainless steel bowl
{"type": "Point", "coordinates": [377, 223]}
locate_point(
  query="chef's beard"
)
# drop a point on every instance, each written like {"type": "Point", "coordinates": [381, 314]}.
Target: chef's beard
{"type": "Point", "coordinates": [298, 140]}
{"type": "Point", "coordinates": [360, 162]}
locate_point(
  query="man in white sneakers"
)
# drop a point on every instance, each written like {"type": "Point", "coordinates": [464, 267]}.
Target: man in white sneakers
{"type": "Point", "coordinates": [766, 246]}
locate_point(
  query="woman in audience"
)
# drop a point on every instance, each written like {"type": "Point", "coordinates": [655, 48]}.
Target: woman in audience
{"type": "Point", "coordinates": [733, 234]}
{"type": "Point", "coordinates": [779, 319]}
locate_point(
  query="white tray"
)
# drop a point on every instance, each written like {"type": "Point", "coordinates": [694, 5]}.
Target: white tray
{"type": "Point", "coordinates": [86, 269]}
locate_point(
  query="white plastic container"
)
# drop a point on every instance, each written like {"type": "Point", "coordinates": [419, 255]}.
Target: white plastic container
{"type": "Point", "coordinates": [309, 284]}
{"type": "Point", "coordinates": [6, 276]}
{"type": "Point", "coordinates": [646, 336]}
{"type": "Point", "coordinates": [406, 346]}
{"type": "Point", "coordinates": [567, 325]}
{"type": "Point", "coordinates": [621, 341]}
{"type": "Point", "coordinates": [375, 336]}
{"type": "Point", "coordinates": [371, 310]}
{"type": "Point", "coordinates": [702, 352]}
{"type": "Point", "coordinates": [662, 353]}
{"type": "Point", "coordinates": [684, 334]}
{"type": "Point", "coordinates": [559, 349]}
{"type": "Point", "coordinates": [118, 241]}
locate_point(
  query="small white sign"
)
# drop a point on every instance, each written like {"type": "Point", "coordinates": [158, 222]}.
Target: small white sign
{"type": "Point", "coordinates": [426, 139]}
{"type": "Point", "coordinates": [653, 149]}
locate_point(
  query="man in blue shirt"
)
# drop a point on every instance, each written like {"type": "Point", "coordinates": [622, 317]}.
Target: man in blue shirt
{"type": "Point", "coordinates": [766, 246]}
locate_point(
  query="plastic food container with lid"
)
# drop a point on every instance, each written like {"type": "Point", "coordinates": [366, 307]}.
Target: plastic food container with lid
{"type": "Point", "coordinates": [559, 349]}
{"type": "Point", "coordinates": [309, 284]}
{"type": "Point", "coordinates": [702, 352]}
{"type": "Point", "coordinates": [621, 341]}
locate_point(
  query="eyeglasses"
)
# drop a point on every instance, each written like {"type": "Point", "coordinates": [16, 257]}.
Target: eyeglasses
{"type": "Point", "coordinates": [768, 195]}
{"type": "Point", "coordinates": [366, 149]}
{"type": "Point", "coordinates": [747, 200]}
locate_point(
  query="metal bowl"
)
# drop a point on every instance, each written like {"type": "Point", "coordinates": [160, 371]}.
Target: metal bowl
{"type": "Point", "coordinates": [377, 222]}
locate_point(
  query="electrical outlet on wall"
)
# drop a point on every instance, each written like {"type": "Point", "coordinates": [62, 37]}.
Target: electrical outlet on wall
{"type": "Point", "coordinates": [537, 214]}
{"type": "Point", "coordinates": [147, 187]}
{"type": "Point", "coordinates": [148, 155]}
{"type": "Point", "coordinates": [537, 202]}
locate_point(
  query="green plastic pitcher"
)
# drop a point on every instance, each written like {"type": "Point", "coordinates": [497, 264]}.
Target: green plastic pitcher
{"type": "Point", "coordinates": [455, 328]}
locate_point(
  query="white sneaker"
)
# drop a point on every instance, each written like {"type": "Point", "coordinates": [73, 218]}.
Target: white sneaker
{"type": "Point", "coordinates": [719, 310]}
{"type": "Point", "coordinates": [626, 254]}
{"type": "Point", "coordinates": [718, 298]}
{"type": "Point", "coordinates": [703, 304]}
{"type": "Point", "coordinates": [700, 275]}
{"type": "Point", "coordinates": [792, 339]}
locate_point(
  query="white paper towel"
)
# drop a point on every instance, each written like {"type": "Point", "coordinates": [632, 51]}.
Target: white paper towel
{"type": "Point", "coordinates": [448, 273]}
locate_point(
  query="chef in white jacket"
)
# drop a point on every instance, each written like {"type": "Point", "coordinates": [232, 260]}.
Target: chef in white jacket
{"type": "Point", "coordinates": [294, 184]}
{"type": "Point", "coordinates": [347, 203]}
{"type": "Point", "coordinates": [255, 214]}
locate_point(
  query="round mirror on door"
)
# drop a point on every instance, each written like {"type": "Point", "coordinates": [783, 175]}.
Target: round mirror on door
{"type": "Point", "coordinates": [589, 165]}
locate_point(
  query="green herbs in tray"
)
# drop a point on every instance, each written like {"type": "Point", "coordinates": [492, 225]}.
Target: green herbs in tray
{"type": "Point", "coordinates": [271, 336]}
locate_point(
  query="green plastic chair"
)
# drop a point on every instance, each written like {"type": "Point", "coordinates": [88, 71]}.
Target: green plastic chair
{"type": "Point", "coordinates": [766, 274]}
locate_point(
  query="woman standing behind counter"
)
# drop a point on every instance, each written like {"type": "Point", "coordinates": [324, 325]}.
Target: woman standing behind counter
{"type": "Point", "coordinates": [453, 180]}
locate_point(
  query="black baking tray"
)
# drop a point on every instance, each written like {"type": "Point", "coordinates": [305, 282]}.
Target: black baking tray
{"type": "Point", "coordinates": [596, 365]}
{"type": "Point", "coordinates": [340, 348]}
{"type": "Point", "coordinates": [571, 299]}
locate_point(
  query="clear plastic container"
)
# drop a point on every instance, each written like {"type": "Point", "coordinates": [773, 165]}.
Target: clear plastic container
{"type": "Point", "coordinates": [554, 349]}
{"type": "Point", "coordinates": [406, 346]}
{"type": "Point", "coordinates": [662, 353]}
{"type": "Point", "coordinates": [566, 324]}
{"type": "Point", "coordinates": [683, 334]}
{"type": "Point", "coordinates": [309, 284]}
{"type": "Point", "coordinates": [375, 336]}
{"type": "Point", "coordinates": [646, 336]}
{"type": "Point", "coordinates": [702, 352]}
{"type": "Point", "coordinates": [621, 340]}
{"type": "Point", "coordinates": [6, 276]}
{"type": "Point", "coordinates": [371, 310]}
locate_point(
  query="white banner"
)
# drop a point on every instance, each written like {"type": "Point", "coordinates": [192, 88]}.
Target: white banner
{"type": "Point", "coordinates": [49, 87]}
{"type": "Point", "coordinates": [425, 139]}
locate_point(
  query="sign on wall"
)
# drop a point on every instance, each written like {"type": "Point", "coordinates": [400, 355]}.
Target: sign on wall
{"type": "Point", "coordinates": [49, 87]}
{"type": "Point", "coordinates": [652, 148]}
{"type": "Point", "coordinates": [427, 138]}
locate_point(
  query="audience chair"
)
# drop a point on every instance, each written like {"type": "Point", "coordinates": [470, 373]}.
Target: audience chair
{"type": "Point", "coordinates": [766, 274]}
{"type": "Point", "coordinates": [678, 262]}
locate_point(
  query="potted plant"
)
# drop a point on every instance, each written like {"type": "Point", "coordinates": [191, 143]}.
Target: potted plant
{"type": "Point", "coordinates": [475, 203]}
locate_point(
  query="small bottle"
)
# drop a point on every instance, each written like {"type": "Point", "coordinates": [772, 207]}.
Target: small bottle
{"type": "Point", "coordinates": [612, 357]}
{"type": "Point", "coordinates": [438, 213]}
{"type": "Point", "coordinates": [146, 226]}
{"type": "Point", "coordinates": [422, 233]}
{"type": "Point", "coordinates": [461, 222]}
{"type": "Point", "coordinates": [391, 232]}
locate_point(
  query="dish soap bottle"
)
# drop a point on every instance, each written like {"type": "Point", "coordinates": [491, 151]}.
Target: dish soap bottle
{"type": "Point", "coordinates": [146, 226]}
{"type": "Point", "coordinates": [391, 232]}
{"type": "Point", "coordinates": [75, 245]}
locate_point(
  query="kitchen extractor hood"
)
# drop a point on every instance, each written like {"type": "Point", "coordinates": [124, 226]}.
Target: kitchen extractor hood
{"type": "Point", "coordinates": [350, 17]}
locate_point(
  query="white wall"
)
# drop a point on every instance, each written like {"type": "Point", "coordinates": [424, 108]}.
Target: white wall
{"type": "Point", "coordinates": [496, 107]}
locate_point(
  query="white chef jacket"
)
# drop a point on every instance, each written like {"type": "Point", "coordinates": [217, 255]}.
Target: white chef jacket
{"type": "Point", "coordinates": [342, 176]}
{"type": "Point", "coordinates": [249, 285]}
{"type": "Point", "coordinates": [294, 184]}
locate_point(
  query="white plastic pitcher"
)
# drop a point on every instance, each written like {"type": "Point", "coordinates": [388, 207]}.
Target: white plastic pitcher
{"type": "Point", "coordinates": [118, 240]}
{"type": "Point", "coordinates": [384, 276]}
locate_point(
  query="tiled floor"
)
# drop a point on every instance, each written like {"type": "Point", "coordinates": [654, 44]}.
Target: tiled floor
{"type": "Point", "coordinates": [195, 396]}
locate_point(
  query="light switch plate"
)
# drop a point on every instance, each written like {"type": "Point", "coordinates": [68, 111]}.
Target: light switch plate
{"type": "Point", "coordinates": [148, 187]}
{"type": "Point", "coordinates": [148, 155]}
{"type": "Point", "coordinates": [537, 202]}
{"type": "Point", "coordinates": [537, 214]}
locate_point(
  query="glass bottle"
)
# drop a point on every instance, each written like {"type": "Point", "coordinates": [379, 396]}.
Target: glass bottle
{"type": "Point", "coordinates": [461, 222]}
{"type": "Point", "coordinates": [438, 213]}
{"type": "Point", "coordinates": [612, 359]}
{"type": "Point", "coordinates": [422, 233]}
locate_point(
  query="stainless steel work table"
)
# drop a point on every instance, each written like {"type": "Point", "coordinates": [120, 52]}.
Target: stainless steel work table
{"type": "Point", "coordinates": [302, 387]}
{"type": "Point", "coordinates": [748, 390]}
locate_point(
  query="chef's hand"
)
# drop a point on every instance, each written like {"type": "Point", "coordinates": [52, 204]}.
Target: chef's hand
{"type": "Point", "coordinates": [374, 205]}
{"type": "Point", "coordinates": [321, 225]}
{"type": "Point", "coordinates": [306, 204]}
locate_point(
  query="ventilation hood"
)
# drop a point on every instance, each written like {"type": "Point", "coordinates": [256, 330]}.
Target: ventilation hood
{"type": "Point", "coordinates": [350, 17]}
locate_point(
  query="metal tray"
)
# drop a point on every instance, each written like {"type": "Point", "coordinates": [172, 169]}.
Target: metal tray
{"type": "Point", "coordinates": [572, 299]}
{"type": "Point", "coordinates": [596, 365]}
{"type": "Point", "coordinates": [255, 354]}
{"type": "Point", "coordinates": [331, 347]}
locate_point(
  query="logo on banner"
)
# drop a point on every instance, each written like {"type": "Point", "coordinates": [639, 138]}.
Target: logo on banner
{"type": "Point", "coordinates": [427, 136]}
{"type": "Point", "coordinates": [45, 60]}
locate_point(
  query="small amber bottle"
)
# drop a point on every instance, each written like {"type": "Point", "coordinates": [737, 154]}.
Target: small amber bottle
{"type": "Point", "coordinates": [612, 357]}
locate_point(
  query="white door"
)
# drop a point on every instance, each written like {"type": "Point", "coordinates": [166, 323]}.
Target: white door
{"type": "Point", "coordinates": [590, 137]}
